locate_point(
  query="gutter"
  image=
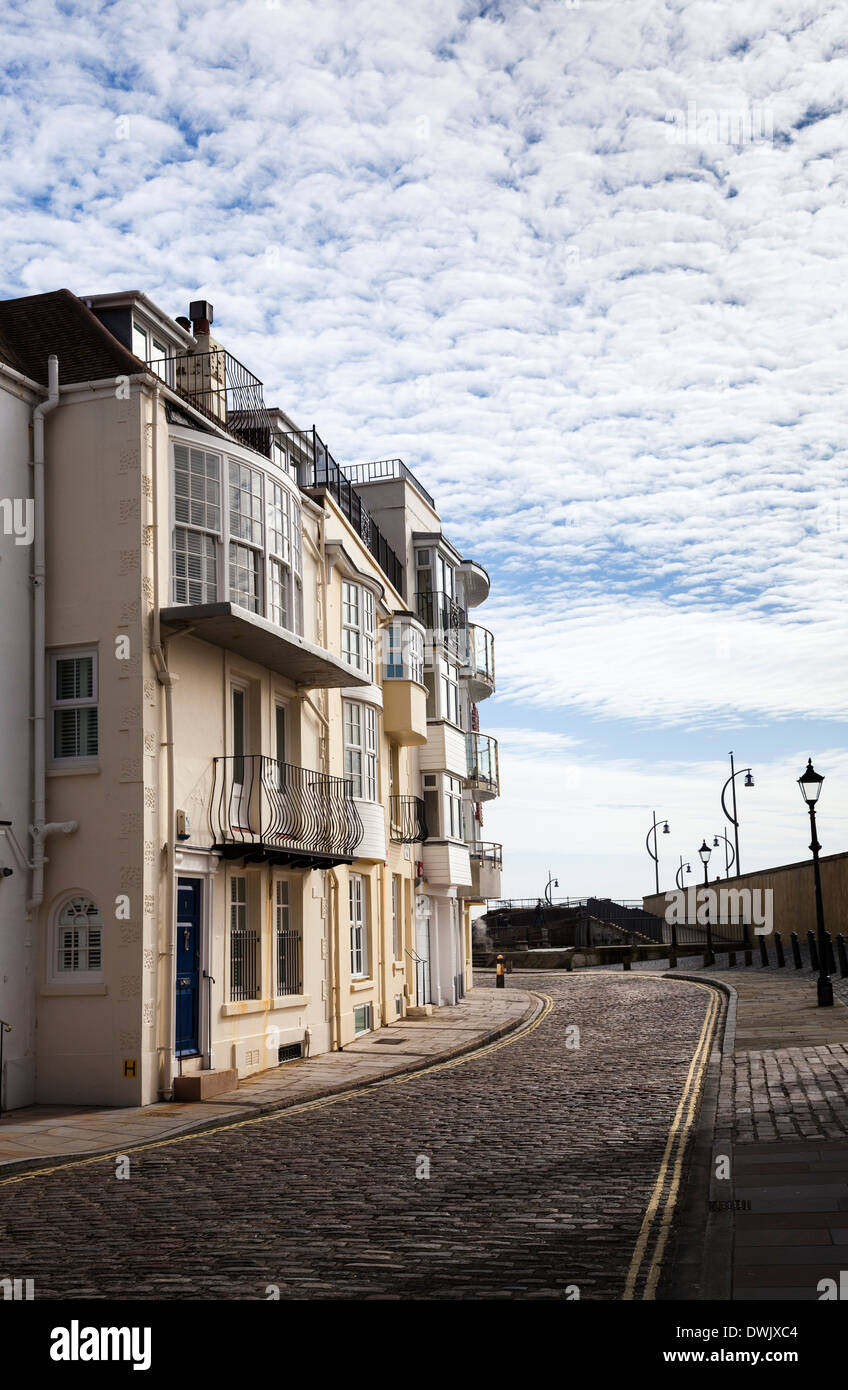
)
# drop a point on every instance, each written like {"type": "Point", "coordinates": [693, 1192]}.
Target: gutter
{"type": "Point", "coordinates": [41, 828]}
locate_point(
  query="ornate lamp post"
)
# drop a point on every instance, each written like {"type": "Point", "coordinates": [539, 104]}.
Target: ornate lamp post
{"type": "Point", "coordinates": [704, 851]}
{"type": "Point", "coordinates": [552, 882]}
{"type": "Point", "coordinates": [811, 785]}
{"type": "Point", "coordinates": [729, 856]}
{"type": "Point", "coordinates": [678, 877]}
{"type": "Point", "coordinates": [654, 853]}
{"type": "Point", "coordinates": [734, 819]}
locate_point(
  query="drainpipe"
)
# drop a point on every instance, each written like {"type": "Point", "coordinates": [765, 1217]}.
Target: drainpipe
{"type": "Point", "coordinates": [40, 828]}
{"type": "Point", "coordinates": [335, 984]}
{"type": "Point", "coordinates": [166, 680]}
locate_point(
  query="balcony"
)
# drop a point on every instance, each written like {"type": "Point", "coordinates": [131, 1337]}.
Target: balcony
{"type": "Point", "coordinates": [486, 866]}
{"type": "Point", "coordinates": [478, 668]}
{"type": "Point", "coordinates": [475, 582]}
{"type": "Point", "coordinates": [444, 620]}
{"type": "Point", "coordinates": [257, 639]}
{"type": "Point", "coordinates": [408, 823]}
{"type": "Point", "coordinates": [264, 810]}
{"type": "Point", "coordinates": [482, 778]}
{"type": "Point", "coordinates": [386, 471]}
{"type": "Point", "coordinates": [222, 389]}
{"type": "Point", "coordinates": [309, 458]}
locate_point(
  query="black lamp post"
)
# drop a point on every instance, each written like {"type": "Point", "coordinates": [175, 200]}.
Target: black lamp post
{"type": "Point", "coordinates": [654, 853]}
{"type": "Point", "coordinates": [678, 877]}
{"type": "Point", "coordinates": [811, 785]}
{"type": "Point", "coordinates": [704, 851]}
{"type": "Point", "coordinates": [551, 882]}
{"type": "Point", "coordinates": [734, 819]}
{"type": "Point", "coordinates": [729, 856]}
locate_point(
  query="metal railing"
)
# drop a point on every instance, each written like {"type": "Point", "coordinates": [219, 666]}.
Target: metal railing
{"type": "Point", "coordinates": [482, 752]}
{"type": "Point", "coordinates": [407, 819]}
{"type": "Point", "coordinates": [317, 468]}
{"type": "Point", "coordinates": [479, 659]}
{"type": "Point", "coordinates": [488, 853]}
{"type": "Point", "coordinates": [258, 800]}
{"type": "Point", "coordinates": [386, 470]}
{"type": "Point", "coordinates": [223, 390]}
{"type": "Point", "coordinates": [289, 962]}
{"type": "Point", "coordinates": [244, 964]}
{"type": "Point", "coordinates": [444, 620]}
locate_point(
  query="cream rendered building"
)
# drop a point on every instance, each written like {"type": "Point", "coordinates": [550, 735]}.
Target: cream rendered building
{"type": "Point", "coordinates": [223, 764]}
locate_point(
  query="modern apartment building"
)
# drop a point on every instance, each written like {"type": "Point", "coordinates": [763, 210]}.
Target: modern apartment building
{"type": "Point", "coordinates": [241, 763]}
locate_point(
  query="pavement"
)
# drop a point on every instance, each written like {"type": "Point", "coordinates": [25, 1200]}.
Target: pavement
{"type": "Point", "coordinates": [42, 1134]}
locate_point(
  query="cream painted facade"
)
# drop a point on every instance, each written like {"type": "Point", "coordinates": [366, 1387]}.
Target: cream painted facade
{"type": "Point", "coordinates": [239, 732]}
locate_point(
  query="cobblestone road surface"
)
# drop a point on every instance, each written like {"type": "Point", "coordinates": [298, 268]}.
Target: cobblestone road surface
{"type": "Point", "coordinates": [542, 1159]}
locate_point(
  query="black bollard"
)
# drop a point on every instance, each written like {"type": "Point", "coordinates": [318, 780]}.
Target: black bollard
{"type": "Point", "coordinates": [796, 949]}
{"type": "Point", "coordinates": [778, 950]}
{"type": "Point", "coordinates": [831, 963]}
{"type": "Point", "coordinates": [731, 958]}
{"type": "Point", "coordinates": [814, 951]}
{"type": "Point", "coordinates": [843, 957]}
{"type": "Point", "coordinates": [500, 982]}
{"type": "Point", "coordinates": [763, 951]}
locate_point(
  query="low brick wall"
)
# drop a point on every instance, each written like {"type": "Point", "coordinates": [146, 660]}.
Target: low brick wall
{"type": "Point", "coordinates": [574, 958]}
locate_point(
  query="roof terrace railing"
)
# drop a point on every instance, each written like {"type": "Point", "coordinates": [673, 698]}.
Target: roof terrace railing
{"type": "Point", "coordinates": [223, 390]}
{"type": "Point", "coordinates": [316, 467]}
{"type": "Point", "coordinates": [385, 470]}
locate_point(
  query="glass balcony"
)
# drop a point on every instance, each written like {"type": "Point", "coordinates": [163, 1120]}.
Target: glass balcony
{"type": "Point", "coordinates": [478, 667]}
{"type": "Point", "coordinates": [486, 864]}
{"type": "Point", "coordinates": [482, 778]}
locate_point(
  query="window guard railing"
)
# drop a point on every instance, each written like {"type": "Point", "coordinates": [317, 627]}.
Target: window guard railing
{"type": "Point", "coordinates": [257, 800]}
{"type": "Point", "coordinates": [289, 962]}
{"type": "Point", "coordinates": [408, 821]}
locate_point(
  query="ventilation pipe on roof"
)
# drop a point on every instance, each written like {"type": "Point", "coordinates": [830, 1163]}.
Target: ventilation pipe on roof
{"type": "Point", "coordinates": [41, 828]}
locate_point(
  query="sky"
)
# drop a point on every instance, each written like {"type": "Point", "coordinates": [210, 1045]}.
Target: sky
{"type": "Point", "coordinates": [584, 267]}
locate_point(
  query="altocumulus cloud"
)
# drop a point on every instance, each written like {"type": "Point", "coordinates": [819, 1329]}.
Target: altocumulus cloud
{"type": "Point", "coordinates": [476, 236]}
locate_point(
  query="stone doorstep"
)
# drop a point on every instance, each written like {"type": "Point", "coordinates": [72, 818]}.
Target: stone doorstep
{"type": "Point", "coordinates": [203, 1085]}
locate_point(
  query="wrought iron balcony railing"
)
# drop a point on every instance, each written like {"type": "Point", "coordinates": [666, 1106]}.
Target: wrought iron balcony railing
{"type": "Point", "coordinates": [316, 467]}
{"type": "Point", "coordinates": [264, 809]}
{"type": "Point", "coordinates": [483, 773]}
{"type": "Point", "coordinates": [444, 620]}
{"type": "Point", "coordinates": [223, 390]}
{"type": "Point", "coordinates": [408, 820]}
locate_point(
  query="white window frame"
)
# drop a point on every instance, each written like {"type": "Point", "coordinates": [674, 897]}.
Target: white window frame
{"type": "Point", "coordinates": [361, 744]}
{"type": "Point", "coordinates": [246, 534]}
{"type": "Point", "coordinates": [283, 533]}
{"type": "Point", "coordinates": [449, 693]}
{"type": "Point", "coordinates": [358, 909]}
{"type": "Point", "coordinates": [74, 976]}
{"type": "Point", "coordinates": [359, 627]}
{"type": "Point", "coordinates": [452, 806]}
{"type": "Point", "coordinates": [188, 525]}
{"type": "Point", "coordinates": [86, 702]}
{"type": "Point", "coordinates": [403, 652]}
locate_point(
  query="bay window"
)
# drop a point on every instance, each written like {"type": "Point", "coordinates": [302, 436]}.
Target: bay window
{"type": "Point", "coordinates": [359, 623]}
{"type": "Point", "coordinates": [360, 749]}
{"type": "Point", "coordinates": [246, 535]}
{"type": "Point", "coordinates": [197, 517]}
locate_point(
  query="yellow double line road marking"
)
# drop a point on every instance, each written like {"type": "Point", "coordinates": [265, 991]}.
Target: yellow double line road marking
{"type": "Point", "coordinates": [675, 1149]}
{"type": "Point", "coordinates": [318, 1104]}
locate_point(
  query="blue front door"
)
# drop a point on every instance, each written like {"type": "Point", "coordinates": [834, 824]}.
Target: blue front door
{"type": "Point", "coordinates": [188, 967]}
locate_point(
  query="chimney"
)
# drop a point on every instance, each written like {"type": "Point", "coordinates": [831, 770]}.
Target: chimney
{"type": "Point", "coordinates": [183, 322]}
{"type": "Point", "coordinates": [201, 315]}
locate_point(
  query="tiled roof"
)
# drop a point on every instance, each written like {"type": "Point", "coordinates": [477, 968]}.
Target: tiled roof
{"type": "Point", "coordinates": [40, 324]}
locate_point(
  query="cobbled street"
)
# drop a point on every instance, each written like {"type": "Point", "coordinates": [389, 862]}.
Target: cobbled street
{"type": "Point", "coordinates": [542, 1159]}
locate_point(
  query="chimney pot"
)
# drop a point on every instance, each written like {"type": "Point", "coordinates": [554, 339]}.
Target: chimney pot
{"type": "Point", "coordinates": [200, 311]}
{"type": "Point", "coordinates": [184, 322]}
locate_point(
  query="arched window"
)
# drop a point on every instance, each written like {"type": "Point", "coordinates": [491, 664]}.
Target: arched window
{"type": "Point", "coordinates": [78, 939]}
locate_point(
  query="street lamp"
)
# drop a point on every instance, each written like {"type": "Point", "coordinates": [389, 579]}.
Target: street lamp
{"type": "Point", "coordinates": [811, 785]}
{"type": "Point", "coordinates": [734, 819]}
{"type": "Point", "coordinates": [729, 856]}
{"type": "Point", "coordinates": [704, 851]}
{"type": "Point", "coordinates": [654, 853]}
{"type": "Point", "coordinates": [551, 882]}
{"type": "Point", "coordinates": [678, 877]}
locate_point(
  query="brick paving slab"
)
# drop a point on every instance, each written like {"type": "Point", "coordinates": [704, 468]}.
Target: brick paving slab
{"type": "Point", "coordinates": [542, 1159]}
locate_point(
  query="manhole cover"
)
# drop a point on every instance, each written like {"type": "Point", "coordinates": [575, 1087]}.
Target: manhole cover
{"type": "Point", "coordinates": [389, 1042]}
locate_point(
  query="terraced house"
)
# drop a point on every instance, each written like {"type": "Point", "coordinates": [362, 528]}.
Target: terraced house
{"type": "Point", "coordinates": [245, 776]}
